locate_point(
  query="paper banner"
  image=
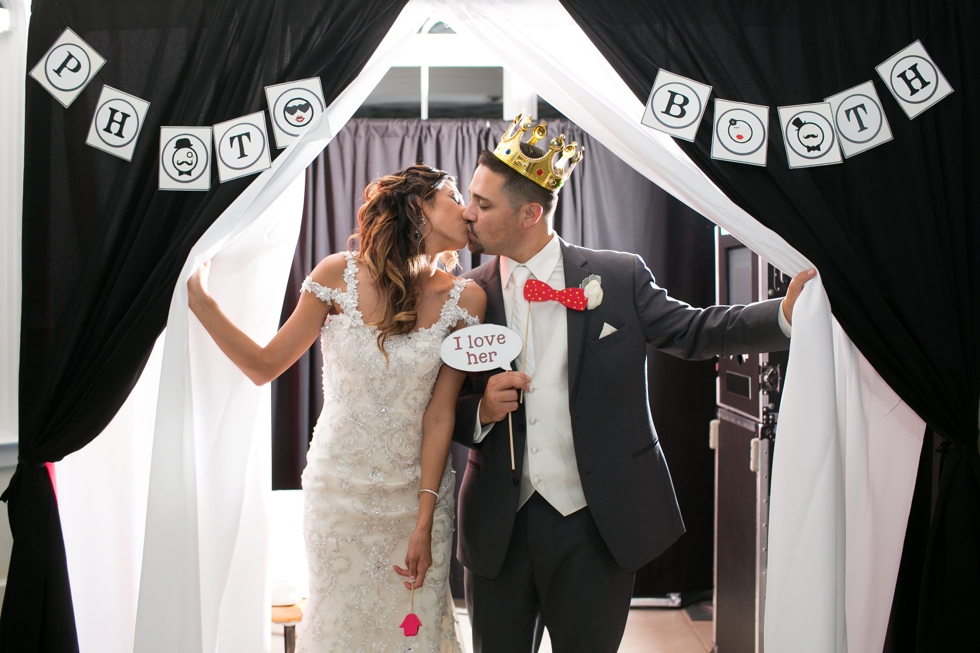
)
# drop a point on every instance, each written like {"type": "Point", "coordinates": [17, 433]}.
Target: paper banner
{"type": "Point", "coordinates": [293, 107]}
{"type": "Point", "coordinates": [740, 132]}
{"type": "Point", "coordinates": [117, 123]}
{"type": "Point", "coordinates": [808, 134]}
{"type": "Point", "coordinates": [859, 119]}
{"type": "Point", "coordinates": [914, 79]}
{"type": "Point", "coordinates": [676, 105]}
{"type": "Point", "coordinates": [67, 68]}
{"type": "Point", "coordinates": [185, 158]}
{"type": "Point", "coordinates": [242, 146]}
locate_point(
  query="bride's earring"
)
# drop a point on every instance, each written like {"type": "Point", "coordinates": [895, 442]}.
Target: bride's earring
{"type": "Point", "coordinates": [418, 231]}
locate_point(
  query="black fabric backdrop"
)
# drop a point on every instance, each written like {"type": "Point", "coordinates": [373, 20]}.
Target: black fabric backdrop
{"type": "Point", "coordinates": [102, 248]}
{"type": "Point", "coordinates": [893, 231]}
{"type": "Point", "coordinates": [606, 204]}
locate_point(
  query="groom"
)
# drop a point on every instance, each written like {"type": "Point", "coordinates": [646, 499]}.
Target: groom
{"type": "Point", "coordinates": [590, 499]}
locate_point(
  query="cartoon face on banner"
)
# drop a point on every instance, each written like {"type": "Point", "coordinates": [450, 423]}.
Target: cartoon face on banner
{"type": "Point", "coordinates": [859, 119]}
{"type": "Point", "coordinates": [185, 158]}
{"type": "Point", "coordinates": [293, 107]}
{"type": "Point", "coordinates": [740, 133]}
{"type": "Point", "coordinates": [242, 146]}
{"type": "Point", "coordinates": [67, 68]}
{"type": "Point", "coordinates": [676, 105]}
{"type": "Point", "coordinates": [117, 123]}
{"type": "Point", "coordinates": [297, 112]}
{"type": "Point", "coordinates": [914, 79]}
{"type": "Point", "coordinates": [811, 134]}
{"type": "Point", "coordinates": [808, 134]}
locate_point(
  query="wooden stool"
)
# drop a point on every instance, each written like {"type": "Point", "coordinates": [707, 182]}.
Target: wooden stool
{"type": "Point", "coordinates": [288, 616]}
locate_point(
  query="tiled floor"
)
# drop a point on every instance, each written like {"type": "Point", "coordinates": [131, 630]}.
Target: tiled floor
{"type": "Point", "coordinates": [647, 631]}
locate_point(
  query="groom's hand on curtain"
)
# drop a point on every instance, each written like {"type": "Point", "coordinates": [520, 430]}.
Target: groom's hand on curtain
{"type": "Point", "coordinates": [500, 397]}
{"type": "Point", "coordinates": [793, 292]}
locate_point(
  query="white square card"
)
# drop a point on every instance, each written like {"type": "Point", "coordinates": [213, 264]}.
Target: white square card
{"type": "Point", "coordinates": [242, 146]}
{"type": "Point", "coordinates": [859, 119]}
{"type": "Point", "coordinates": [117, 123]}
{"type": "Point", "coordinates": [676, 105]}
{"type": "Point", "coordinates": [185, 158]}
{"type": "Point", "coordinates": [808, 135]}
{"type": "Point", "coordinates": [914, 79]}
{"type": "Point", "coordinates": [67, 68]}
{"type": "Point", "coordinates": [293, 107]}
{"type": "Point", "coordinates": [740, 133]}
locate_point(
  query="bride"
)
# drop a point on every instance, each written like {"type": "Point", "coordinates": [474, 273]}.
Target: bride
{"type": "Point", "coordinates": [378, 485]}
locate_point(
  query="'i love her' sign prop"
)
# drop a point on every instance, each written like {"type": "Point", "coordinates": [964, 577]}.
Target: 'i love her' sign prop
{"type": "Point", "coordinates": [481, 347]}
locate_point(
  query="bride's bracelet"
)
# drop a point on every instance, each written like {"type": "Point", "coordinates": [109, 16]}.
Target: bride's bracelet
{"type": "Point", "coordinates": [432, 492]}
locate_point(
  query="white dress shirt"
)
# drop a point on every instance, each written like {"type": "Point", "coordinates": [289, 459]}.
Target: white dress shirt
{"type": "Point", "coordinates": [550, 467]}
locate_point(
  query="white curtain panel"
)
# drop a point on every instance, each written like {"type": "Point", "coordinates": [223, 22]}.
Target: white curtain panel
{"type": "Point", "coordinates": [204, 586]}
{"type": "Point", "coordinates": [845, 462]}
{"type": "Point", "coordinates": [13, 60]}
{"type": "Point", "coordinates": [102, 500]}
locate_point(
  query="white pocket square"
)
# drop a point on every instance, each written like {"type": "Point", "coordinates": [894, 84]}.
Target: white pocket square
{"type": "Point", "coordinates": [607, 329]}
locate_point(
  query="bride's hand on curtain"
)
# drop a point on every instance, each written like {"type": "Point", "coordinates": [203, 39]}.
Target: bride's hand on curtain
{"type": "Point", "coordinates": [197, 286]}
{"type": "Point", "coordinates": [260, 364]}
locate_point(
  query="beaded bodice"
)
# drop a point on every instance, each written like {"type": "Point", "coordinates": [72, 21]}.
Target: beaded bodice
{"type": "Point", "coordinates": [363, 391]}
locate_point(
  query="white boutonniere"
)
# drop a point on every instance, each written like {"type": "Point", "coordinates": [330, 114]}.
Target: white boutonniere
{"type": "Point", "coordinates": [592, 285]}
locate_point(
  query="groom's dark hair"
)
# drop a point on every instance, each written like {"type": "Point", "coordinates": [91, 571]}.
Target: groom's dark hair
{"type": "Point", "coordinates": [519, 189]}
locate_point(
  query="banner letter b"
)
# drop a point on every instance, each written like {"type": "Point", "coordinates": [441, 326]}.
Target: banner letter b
{"type": "Point", "coordinates": [676, 100]}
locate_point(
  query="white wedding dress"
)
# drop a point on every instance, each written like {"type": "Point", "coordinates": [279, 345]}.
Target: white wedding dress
{"type": "Point", "coordinates": [361, 486]}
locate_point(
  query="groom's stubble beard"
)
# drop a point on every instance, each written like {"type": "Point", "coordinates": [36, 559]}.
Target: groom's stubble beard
{"type": "Point", "coordinates": [507, 244]}
{"type": "Point", "coordinates": [472, 243]}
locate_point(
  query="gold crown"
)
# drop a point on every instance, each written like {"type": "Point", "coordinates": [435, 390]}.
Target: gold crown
{"type": "Point", "coordinates": [551, 170]}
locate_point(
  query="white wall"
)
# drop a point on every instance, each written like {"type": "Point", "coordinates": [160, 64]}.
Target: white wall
{"type": "Point", "coordinates": [13, 51]}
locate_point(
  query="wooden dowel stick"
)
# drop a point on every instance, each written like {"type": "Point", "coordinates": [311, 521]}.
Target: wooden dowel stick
{"type": "Point", "coordinates": [510, 427]}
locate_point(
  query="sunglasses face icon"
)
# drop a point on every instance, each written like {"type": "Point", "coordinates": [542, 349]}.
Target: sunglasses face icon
{"type": "Point", "coordinates": [298, 112]}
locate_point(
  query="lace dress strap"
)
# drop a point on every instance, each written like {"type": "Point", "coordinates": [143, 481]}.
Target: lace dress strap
{"type": "Point", "coordinates": [452, 312]}
{"type": "Point", "coordinates": [349, 300]}
{"type": "Point", "coordinates": [323, 293]}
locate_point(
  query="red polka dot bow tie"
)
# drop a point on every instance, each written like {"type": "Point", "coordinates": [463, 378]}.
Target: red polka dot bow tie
{"type": "Point", "coordinates": [539, 291]}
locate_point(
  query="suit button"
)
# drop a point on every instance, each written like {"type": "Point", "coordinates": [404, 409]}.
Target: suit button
{"type": "Point", "coordinates": [533, 420]}
{"type": "Point", "coordinates": [537, 479]}
{"type": "Point", "coordinates": [516, 481]}
{"type": "Point", "coordinates": [534, 450]}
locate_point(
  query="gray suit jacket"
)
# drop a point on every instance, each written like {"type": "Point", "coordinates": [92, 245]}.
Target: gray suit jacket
{"type": "Point", "coordinates": [624, 475]}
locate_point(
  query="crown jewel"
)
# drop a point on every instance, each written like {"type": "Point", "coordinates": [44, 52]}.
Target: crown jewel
{"type": "Point", "coordinates": [551, 170]}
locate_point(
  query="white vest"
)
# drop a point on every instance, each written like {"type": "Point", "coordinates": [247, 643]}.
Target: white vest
{"type": "Point", "coordinates": [550, 467]}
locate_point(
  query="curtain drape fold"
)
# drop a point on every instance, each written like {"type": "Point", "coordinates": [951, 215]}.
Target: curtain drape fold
{"type": "Point", "coordinates": [102, 248]}
{"type": "Point", "coordinates": [893, 230]}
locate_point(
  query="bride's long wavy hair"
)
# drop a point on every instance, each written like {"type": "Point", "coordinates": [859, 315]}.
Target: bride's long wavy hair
{"type": "Point", "coordinates": [391, 237]}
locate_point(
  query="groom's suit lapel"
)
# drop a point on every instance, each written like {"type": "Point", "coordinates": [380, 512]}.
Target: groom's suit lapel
{"type": "Point", "coordinates": [576, 270]}
{"type": "Point", "coordinates": [495, 294]}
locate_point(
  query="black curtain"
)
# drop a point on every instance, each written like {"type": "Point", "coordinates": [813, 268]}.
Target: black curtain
{"type": "Point", "coordinates": [102, 248]}
{"type": "Point", "coordinates": [606, 204]}
{"type": "Point", "coordinates": [893, 231]}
